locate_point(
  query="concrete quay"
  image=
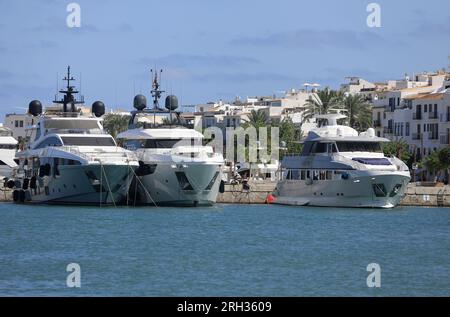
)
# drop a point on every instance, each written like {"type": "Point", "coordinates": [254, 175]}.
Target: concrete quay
{"type": "Point", "coordinates": [437, 196]}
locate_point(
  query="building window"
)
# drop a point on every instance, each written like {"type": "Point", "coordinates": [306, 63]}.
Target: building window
{"type": "Point", "coordinates": [21, 123]}
{"type": "Point", "coordinates": [16, 123]}
{"type": "Point", "coordinates": [407, 129]}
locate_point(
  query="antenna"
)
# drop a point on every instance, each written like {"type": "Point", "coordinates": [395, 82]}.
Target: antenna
{"type": "Point", "coordinates": [156, 92]}
{"type": "Point", "coordinates": [57, 85]}
{"type": "Point", "coordinates": [69, 97]}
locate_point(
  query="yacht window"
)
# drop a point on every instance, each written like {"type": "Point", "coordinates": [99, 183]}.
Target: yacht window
{"type": "Point", "coordinates": [302, 174]}
{"type": "Point", "coordinates": [295, 174]}
{"type": "Point", "coordinates": [307, 148]}
{"type": "Point", "coordinates": [315, 175]}
{"type": "Point", "coordinates": [87, 141]}
{"type": "Point", "coordinates": [329, 175]}
{"type": "Point", "coordinates": [308, 174]}
{"type": "Point", "coordinates": [322, 175]}
{"type": "Point", "coordinates": [288, 175]}
{"type": "Point", "coordinates": [51, 141]}
{"type": "Point", "coordinates": [134, 144]}
{"type": "Point", "coordinates": [359, 147]}
{"type": "Point", "coordinates": [167, 143]}
{"type": "Point", "coordinates": [379, 190]}
{"type": "Point", "coordinates": [320, 148]}
{"type": "Point", "coordinates": [332, 148]}
{"type": "Point", "coordinates": [7, 146]}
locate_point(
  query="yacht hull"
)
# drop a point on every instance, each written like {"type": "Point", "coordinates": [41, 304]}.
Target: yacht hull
{"type": "Point", "coordinates": [357, 191]}
{"type": "Point", "coordinates": [82, 185]}
{"type": "Point", "coordinates": [165, 188]}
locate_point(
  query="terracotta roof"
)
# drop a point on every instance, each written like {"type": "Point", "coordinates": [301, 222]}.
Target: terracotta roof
{"type": "Point", "coordinates": [436, 96]}
{"type": "Point", "coordinates": [420, 89]}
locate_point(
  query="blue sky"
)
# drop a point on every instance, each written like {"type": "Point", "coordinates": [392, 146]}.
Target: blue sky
{"type": "Point", "coordinates": [212, 50]}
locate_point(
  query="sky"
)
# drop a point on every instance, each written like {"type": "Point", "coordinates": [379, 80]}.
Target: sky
{"type": "Point", "coordinates": [211, 49]}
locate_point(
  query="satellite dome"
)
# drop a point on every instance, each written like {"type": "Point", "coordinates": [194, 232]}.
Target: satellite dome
{"type": "Point", "coordinates": [35, 108]}
{"type": "Point", "coordinates": [98, 108]}
{"type": "Point", "coordinates": [140, 102]}
{"type": "Point", "coordinates": [171, 102]}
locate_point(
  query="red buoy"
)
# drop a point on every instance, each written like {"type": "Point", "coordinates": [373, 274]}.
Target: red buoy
{"type": "Point", "coordinates": [270, 199]}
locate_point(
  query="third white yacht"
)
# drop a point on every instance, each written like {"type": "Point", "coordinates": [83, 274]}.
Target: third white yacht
{"type": "Point", "coordinates": [340, 168]}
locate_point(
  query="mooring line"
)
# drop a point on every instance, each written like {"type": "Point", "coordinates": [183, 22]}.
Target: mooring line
{"type": "Point", "coordinates": [145, 189]}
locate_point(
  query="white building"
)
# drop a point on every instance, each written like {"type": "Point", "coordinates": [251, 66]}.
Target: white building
{"type": "Point", "coordinates": [223, 115]}
{"type": "Point", "coordinates": [17, 123]}
{"type": "Point", "coordinates": [416, 111]}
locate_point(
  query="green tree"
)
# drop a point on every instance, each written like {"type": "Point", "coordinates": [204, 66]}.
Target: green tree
{"type": "Point", "coordinates": [359, 112]}
{"type": "Point", "coordinates": [444, 159]}
{"type": "Point", "coordinates": [321, 102]}
{"type": "Point", "coordinates": [290, 135]}
{"type": "Point", "coordinates": [432, 162]}
{"type": "Point", "coordinates": [399, 149]}
{"type": "Point", "coordinates": [257, 119]}
{"type": "Point", "coordinates": [115, 123]}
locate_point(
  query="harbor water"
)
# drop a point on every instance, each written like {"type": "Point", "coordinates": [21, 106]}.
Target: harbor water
{"type": "Point", "coordinates": [225, 250]}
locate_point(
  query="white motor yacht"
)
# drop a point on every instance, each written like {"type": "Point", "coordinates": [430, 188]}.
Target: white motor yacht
{"type": "Point", "coordinates": [175, 167]}
{"type": "Point", "coordinates": [8, 148]}
{"type": "Point", "coordinates": [70, 159]}
{"type": "Point", "coordinates": [340, 168]}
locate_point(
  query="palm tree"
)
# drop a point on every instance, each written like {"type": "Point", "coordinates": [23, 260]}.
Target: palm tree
{"type": "Point", "coordinates": [444, 159]}
{"type": "Point", "coordinates": [321, 102]}
{"type": "Point", "coordinates": [115, 123]}
{"type": "Point", "coordinates": [358, 111]}
{"type": "Point", "coordinates": [257, 119]}
{"type": "Point", "coordinates": [432, 163]}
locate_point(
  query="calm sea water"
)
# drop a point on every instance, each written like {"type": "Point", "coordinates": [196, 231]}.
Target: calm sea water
{"type": "Point", "coordinates": [226, 250]}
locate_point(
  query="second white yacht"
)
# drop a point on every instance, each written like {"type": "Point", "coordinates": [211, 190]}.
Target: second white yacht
{"type": "Point", "coordinates": [340, 168]}
{"type": "Point", "coordinates": [175, 167]}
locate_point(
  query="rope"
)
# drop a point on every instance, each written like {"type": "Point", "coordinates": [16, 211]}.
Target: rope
{"type": "Point", "coordinates": [145, 189]}
{"type": "Point", "coordinates": [101, 185]}
{"type": "Point", "coordinates": [109, 188]}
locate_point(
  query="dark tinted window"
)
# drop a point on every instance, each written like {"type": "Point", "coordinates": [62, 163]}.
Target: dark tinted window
{"type": "Point", "coordinates": [86, 141]}
{"type": "Point", "coordinates": [307, 148]}
{"type": "Point", "coordinates": [166, 143]}
{"type": "Point", "coordinates": [51, 141]}
{"type": "Point", "coordinates": [359, 147]}
{"type": "Point", "coordinates": [8, 146]}
{"type": "Point", "coordinates": [320, 148]}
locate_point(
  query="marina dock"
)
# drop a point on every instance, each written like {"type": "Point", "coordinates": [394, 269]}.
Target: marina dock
{"type": "Point", "coordinates": [257, 193]}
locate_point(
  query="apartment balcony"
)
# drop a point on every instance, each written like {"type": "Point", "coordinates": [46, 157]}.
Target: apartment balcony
{"type": "Point", "coordinates": [417, 116]}
{"type": "Point", "coordinates": [432, 136]}
{"type": "Point", "coordinates": [417, 136]}
{"type": "Point", "coordinates": [376, 123]}
{"type": "Point", "coordinates": [432, 115]}
{"type": "Point", "coordinates": [388, 130]}
{"type": "Point", "coordinates": [443, 139]}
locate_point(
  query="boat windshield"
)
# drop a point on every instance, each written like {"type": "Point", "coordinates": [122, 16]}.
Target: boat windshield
{"type": "Point", "coordinates": [87, 124]}
{"type": "Point", "coordinates": [359, 146]}
{"type": "Point", "coordinates": [162, 143]}
{"type": "Point", "coordinates": [88, 141]}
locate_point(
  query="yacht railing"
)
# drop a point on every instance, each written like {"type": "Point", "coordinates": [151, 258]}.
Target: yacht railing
{"type": "Point", "coordinates": [100, 154]}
